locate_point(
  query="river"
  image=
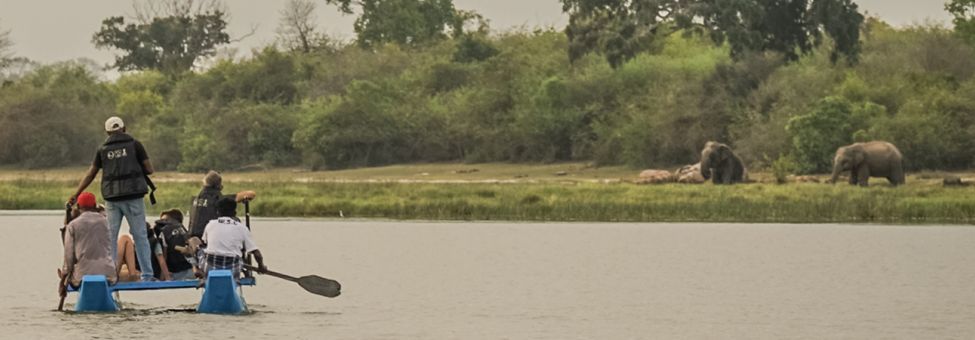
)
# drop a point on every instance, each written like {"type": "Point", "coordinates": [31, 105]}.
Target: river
{"type": "Point", "coordinates": [463, 280]}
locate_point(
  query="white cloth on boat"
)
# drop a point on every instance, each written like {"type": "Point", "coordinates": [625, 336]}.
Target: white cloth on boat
{"type": "Point", "coordinates": [225, 236]}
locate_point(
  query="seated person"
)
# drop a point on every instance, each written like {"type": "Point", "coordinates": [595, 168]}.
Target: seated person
{"type": "Point", "coordinates": [204, 205]}
{"type": "Point", "coordinates": [172, 238]}
{"type": "Point", "coordinates": [227, 241]}
{"type": "Point", "coordinates": [128, 260]}
{"type": "Point", "coordinates": [88, 244]}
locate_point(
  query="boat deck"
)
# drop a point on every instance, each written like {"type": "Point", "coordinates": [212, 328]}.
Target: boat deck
{"type": "Point", "coordinates": [158, 285]}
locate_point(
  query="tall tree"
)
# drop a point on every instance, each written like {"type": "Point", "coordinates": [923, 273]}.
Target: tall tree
{"type": "Point", "coordinates": [622, 28]}
{"type": "Point", "coordinates": [407, 22]}
{"type": "Point", "coordinates": [963, 12]}
{"type": "Point", "coordinates": [297, 30]}
{"type": "Point", "coordinates": [5, 45]}
{"type": "Point", "coordinates": [168, 36]}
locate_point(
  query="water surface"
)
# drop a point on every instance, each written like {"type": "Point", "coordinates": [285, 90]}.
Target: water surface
{"type": "Point", "coordinates": [417, 280]}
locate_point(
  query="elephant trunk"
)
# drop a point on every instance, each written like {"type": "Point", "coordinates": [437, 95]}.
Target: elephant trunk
{"type": "Point", "coordinates": [706, 167]}
{"type": "Point", "coordinates": [837, 168]}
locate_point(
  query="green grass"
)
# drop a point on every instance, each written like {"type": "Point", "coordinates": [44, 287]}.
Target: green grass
{"type": "Point", "coordinates": [920, 202]}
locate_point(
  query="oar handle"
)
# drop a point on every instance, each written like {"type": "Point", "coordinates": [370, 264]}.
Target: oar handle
{"type": "Point", "coordinates": [62, 290]}
{"type": "Point", "coordinates": [272, 273]}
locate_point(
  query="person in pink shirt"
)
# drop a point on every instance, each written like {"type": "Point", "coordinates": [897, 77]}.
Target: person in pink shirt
{"type": "Point", "coordinates": [88, 244]}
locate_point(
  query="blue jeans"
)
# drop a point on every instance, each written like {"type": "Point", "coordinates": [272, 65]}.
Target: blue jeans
{"type": "Point", "coordinates": [134, 211]}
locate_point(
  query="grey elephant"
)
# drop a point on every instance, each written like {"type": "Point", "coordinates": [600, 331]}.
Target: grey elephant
{"type": "Point", "coordinates": [721, 164]}
{"type": "Point", "coordinates": [870, 159]}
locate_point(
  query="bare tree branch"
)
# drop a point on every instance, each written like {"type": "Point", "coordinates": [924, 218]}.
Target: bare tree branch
{"type": "Point", "coordinates": [146, 10]}
{"type": "Point", "coordinates": [5, 45]}
{"type": "Point", "coordinates": [253, 30]}
{"type": "Point", "coordinates": [297, 27]}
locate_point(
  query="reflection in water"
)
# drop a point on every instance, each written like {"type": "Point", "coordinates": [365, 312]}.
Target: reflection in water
{"type": "Point", "coordinates": [543, 281]}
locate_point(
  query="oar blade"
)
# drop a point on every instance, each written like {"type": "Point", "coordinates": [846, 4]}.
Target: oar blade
{"type": "Point", "coordinates": [320, 286]}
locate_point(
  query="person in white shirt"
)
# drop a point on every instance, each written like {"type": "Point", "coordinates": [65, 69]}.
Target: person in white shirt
{"type": "Point", "coordinates": [227, 241]}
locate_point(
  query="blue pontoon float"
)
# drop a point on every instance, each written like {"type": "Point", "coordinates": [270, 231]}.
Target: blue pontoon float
{"type": "Point", "coordinates": [221, 294]}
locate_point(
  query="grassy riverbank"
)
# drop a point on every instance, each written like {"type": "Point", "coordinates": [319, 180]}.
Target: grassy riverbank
{"type": "Point", "coordinates": [532, 193]}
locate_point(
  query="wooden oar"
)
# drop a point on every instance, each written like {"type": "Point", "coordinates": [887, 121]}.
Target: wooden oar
{"type": "Point", "coordinates": [62, 290]}
{"type": "Point", "coordinates": [312, 283]}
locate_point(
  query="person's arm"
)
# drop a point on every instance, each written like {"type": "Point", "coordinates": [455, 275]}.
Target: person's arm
{"type": "Point", "coordinates": [246, 195]}
{"type": "Point", "coordinates": [143, 157]}
{"type": "Point", "coordinates": [85, 182]}
{"type": "Point", "coordinates": [261, 268]}
{"type": "Point", "coordinates": [166, 275]}
{"type": "Point", "coordinates": [163, 267]}
{"type": "Point", "coordinates": [251, 247]}
{"type": "Point", "coordinates": [147, 166]}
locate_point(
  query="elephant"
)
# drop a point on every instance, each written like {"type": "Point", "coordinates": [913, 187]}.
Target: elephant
{"type": "Point", "coordinates": [870, 159]}
{"type": "Point", "coordinates": [718, 160]}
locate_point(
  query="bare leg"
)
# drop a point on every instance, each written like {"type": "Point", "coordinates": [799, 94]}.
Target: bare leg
{"type": "Point", "coordinates": [126, 256]}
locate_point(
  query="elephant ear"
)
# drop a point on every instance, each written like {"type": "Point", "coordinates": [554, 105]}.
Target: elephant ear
{"type": "Point", "coordinates": [723, 152]}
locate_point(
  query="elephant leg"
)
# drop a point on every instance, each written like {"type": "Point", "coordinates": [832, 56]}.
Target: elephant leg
{"type": "Point", "coordinates": [727, 176]}
{"type": "Point", "coordinates": [853, 176]}
{"type": "Point", "coordinates": [863, 176]}
{"type": "Point", "coordinates": [896, 176]}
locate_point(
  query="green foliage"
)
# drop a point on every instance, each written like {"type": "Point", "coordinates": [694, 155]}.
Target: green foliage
{"type": "Point", "coordinates": [620, 29]}
{"type": "Point", "coordinates": [756, 203]}
{"type": "Point", "coordinates": [817, 134]}
{"type": "Point", "coordinates": [513, 97]}
{"type": "Point", "coordinates": [474, 48]}
{"type": "Point", "coordinates": [239, 136]}
{"type": "Point", "coordinates": [963, 13]}
{"type": "Point", "coordinates": [406, 22]}
{"type": "Point", "coordinates": [546, 128]}
{"type": "Point", "coordinates": [784, 166]}
{"type": "Point", "coordinates": [235, 115]}
{"type": "Point", "coordinates": [52, 117]}
{"type": "Point", "coordinates": [169, 44]}
{"type": "Point", "coordinates": [360, 129]}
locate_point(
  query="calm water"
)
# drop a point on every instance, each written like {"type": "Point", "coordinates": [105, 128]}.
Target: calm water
{"type": "Point", "coordinates": [542, 281]}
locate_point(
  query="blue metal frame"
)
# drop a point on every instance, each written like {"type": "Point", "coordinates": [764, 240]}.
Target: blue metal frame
{"type": "Point", "coordinates": [95, 295]}
{"type": "Point", "coordinates": [157, 285]}
{"type": "Point", "coordinates": [221, 296]}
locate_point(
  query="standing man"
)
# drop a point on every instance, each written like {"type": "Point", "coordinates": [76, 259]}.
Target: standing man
{"type": "Point", "coordinates": [125, 168]}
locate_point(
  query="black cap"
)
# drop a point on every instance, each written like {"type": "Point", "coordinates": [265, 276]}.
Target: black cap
{"type": "Point", "coordinates": [227, 206]}
{"type": "Point", "coordinates": [174, 214]}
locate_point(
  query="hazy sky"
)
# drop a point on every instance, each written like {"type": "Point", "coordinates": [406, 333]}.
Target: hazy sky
{"type": "Point", "coordinates": [56, 30]}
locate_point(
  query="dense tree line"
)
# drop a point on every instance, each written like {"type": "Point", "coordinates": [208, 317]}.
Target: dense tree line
{"type": "Point", "coordinates": [444, 92]}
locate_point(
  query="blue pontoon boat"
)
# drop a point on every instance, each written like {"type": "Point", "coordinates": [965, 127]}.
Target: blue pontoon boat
{"type": "Point", "coordinates": [221, 294]}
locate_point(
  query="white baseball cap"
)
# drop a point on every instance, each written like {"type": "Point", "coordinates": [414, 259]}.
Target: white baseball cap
{"type": "Point", "coordinates": [114, 124]}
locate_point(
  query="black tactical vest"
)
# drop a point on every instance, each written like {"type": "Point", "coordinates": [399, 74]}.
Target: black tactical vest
{"type": "Point", "coordinates": [121, 172]}
{"type": "Point", "coordinates": [203, 209]}
{"type": "Point", "coordinates": [172, 234]}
